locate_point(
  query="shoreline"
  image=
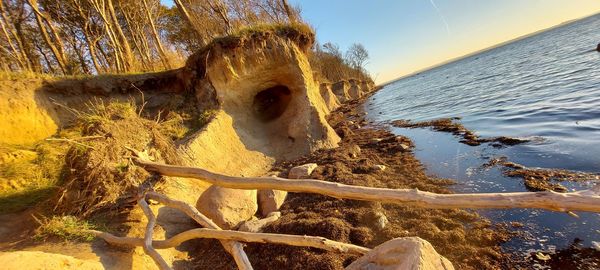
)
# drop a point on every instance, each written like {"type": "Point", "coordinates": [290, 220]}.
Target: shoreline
{"type": "Point", "coordinates": [466, 239]}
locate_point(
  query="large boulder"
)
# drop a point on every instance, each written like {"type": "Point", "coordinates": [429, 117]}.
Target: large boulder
{"type": "Point", "coordinates": [407, 253]}
{"type": "Point", "coordinates": [227, 207]}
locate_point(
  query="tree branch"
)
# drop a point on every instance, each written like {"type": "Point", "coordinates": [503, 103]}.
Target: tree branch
{"type": "Point", "coordinates": [264, 238]}
{"type": "Point", "coordinates": [587, 200]}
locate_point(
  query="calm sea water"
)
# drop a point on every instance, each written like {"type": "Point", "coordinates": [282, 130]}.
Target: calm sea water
{"type": "Point", "coordinates": [545, 87]}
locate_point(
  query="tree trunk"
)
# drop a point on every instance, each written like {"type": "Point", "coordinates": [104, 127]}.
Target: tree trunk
{"type": "Point", "coordinates": [290, 14]}
{"type": "Point", "coordinates": [10, 33]}
{"type": "Point", "coordinates": [144, 54]}
{"type": "Point", "coordinates": [57, 51]}
{"type": "Point", "coordinates": [156, 37]}
{"type": "Point", "coordinates": [186, 15]}
{"type": "Point", "coordinates": [127, 55]}
{"type": "Point", "coordinates": [13, 50]}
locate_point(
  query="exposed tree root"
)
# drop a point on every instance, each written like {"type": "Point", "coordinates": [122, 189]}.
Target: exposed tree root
{"type": "Point", "coordinates": [587, 200]}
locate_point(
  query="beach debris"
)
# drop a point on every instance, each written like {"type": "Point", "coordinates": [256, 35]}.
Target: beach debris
{"type": "Point", "coordinates": [451, 125]}
{"type": "Point", "coordinates": [375, 140]}
{"type": "Point", "coordinates": [227, 207]}
{"type": "Point", "coordinates": [257, 225]}
{"type": "Point", "coordinates": [302, 171]}
{"type": "Point", "coordinates": [270, 200]}
{"type": "Point", "coordinates": [542, 257]}
{"type": "Point", "coordinates": [381, 220]}
{"type": "Point", "coordinates": [596, 245]}
{"type": "Point", "coordinates": [404, 147]}
{"type": "Point", "coordinates": [540, 179]}
{"type": "Point", "coordinates": [353, 151]}
{"type": "Point", "coordinates": [228, 238]}
{"type": "Point", "coordinates": [571, 201]}
{"type": "Point", "coordinates": [379, 168]}
{"type": "Point", "coordinates": [402, 253]}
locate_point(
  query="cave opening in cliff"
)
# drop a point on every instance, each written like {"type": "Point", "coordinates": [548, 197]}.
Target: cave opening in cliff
{"type": "Point", "coordinates": [271, 103]}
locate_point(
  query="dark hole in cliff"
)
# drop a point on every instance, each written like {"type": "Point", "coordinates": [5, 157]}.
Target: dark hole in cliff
{"type": "Point", "coordinates": [270, 103]}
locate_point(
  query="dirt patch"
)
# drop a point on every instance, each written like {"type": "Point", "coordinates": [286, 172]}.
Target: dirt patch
{"type": "Point", "coordinates": [451, 125]}
{"type": "Point", "coordinates": [538, 179]}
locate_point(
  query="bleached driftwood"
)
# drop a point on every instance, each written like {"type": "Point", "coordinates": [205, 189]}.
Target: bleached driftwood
{"type": "Point", "coordinates": [147, 241]}
{"type": "Point", "coordinates": [587, 200]}
{"type": "Point", "coordinates": [265, 238]}
{"type": "Point", "coordinates": [226, 236]}
{"type": "Point", "coordinates": [234, 248]}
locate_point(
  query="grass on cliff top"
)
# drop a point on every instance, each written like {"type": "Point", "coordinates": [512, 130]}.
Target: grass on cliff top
{"type": "Point", "coordinates": [292, 31]}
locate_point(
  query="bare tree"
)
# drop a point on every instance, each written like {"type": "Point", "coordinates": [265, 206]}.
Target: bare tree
{"type": "Point", "coordinates": [357, 56]}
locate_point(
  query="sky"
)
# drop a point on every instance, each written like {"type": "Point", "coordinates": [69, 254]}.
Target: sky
{"type": "Point", "coordinates": [404, 36]}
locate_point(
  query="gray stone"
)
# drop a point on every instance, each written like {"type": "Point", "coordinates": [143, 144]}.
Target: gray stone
{"type": "Point", "coordinates": [379, 167]}
{"type": "Point", "coordinates": [270, 200]}
{"type": "Point", "coordinates": [302, 171]}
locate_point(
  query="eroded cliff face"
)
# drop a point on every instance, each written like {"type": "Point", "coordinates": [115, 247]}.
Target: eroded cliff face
{"type": "Point", "coordinates": [270, 107]}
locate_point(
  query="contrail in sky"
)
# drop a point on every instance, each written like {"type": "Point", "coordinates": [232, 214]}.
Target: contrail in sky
{"type": "Point", "coordinates": [441, 16]}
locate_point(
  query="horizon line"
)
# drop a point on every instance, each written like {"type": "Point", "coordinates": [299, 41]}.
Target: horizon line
{"type": "Point", "coordinates": [480, 51]}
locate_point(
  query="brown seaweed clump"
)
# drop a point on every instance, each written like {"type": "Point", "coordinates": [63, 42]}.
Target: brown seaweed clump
{"type": "Point", "coordinates": [540, 179]}
{"type": "Point", "coordinates": [450, 125]}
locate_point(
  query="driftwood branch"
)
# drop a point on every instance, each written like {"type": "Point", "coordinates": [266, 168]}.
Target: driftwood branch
{"type": "Point", "coordinates": [265, 238]}
{"type": "Point", "coordinates": [147, 241]}
{"type": "Point", "coordinates": [235, 249]}
{"type": "Point", "coordinates": [229, 239]}
{"type": "Point", "coordinates": [587, 200]}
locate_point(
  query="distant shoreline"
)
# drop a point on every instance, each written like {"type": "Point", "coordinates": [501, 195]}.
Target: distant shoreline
{"type": "Point", "coordinates": [519, 38]}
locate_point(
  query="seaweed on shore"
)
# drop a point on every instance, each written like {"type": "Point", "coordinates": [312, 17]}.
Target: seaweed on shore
{"type": "Point", "coordinates": [540, 179]}
{"type": "Point", "coordinates": [468, 240]}
{"type": "Point", "coordinates": [450, 125]}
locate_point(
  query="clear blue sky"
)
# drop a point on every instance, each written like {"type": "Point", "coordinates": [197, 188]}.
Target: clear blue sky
{"type": "Point", "coordinates": [404, 36]}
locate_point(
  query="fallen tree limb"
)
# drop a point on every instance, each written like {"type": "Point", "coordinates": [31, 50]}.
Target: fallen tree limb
{"type": "Point", "coordinates": [147, 241]}
{"type": "Point", "coordinates": [234, 248]}
{"type": "Point", "coordinates": [265, 238]}
{"type": "Point", "coordinates": [587, 200]}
